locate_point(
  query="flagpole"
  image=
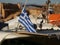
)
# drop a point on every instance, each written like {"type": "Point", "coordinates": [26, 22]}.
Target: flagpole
{"type": "Point", "coordinates": [21, 12]}
{"type": "Point", "coordinates": [25, 3]}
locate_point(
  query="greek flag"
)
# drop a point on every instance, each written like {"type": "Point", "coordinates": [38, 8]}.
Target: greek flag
{"type": "Point", "coordinates": [25, 20]}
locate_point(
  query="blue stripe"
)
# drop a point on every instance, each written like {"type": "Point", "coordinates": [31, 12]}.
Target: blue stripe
{"type": "Point", "coordinates": [27, 28]}
{"type": "Point", "coordinates": [25, 21]}
{"type": "Point", "coordinates": [29, 21]}
{"type": "Point", "coordinates": [27, 24]}
{"type": "Point", "coordinates": [24, 25]}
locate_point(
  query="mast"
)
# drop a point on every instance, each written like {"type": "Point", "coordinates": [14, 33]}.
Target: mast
{"type": "Point", "coordinates": [47, 6]}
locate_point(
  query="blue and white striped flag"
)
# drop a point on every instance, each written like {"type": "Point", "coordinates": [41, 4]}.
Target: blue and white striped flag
{"type": "Point", "coordinates": [25, 20]}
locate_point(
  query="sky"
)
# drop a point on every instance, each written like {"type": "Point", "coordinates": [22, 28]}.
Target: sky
{"type": "Point", "coordinates": [30, 1]}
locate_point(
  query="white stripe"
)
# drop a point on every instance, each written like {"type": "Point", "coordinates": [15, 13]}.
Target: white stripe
{"type": "Point", "coordinates": [25, 21]}
{"type": "Point", "coordinates": [28, 24]}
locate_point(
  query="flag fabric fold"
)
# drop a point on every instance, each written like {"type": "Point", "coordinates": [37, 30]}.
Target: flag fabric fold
{"type": "Point", "coordinates": [25, 20]}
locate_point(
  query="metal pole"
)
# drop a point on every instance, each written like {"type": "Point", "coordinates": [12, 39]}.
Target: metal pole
{"type": "Point", "coordinates": [48, 3]}
{"type": "Point", "coordinates": [25, 3]}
